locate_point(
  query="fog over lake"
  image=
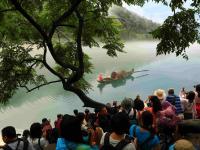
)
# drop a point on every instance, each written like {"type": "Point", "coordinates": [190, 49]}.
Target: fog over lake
{"type": "Point", "coordinates": [164, 72]}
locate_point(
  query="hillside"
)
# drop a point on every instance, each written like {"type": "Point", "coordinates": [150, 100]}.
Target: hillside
{"type": "Point", "coordinates": [133, 25]}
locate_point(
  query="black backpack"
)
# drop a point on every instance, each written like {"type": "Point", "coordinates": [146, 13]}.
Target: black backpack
{"type": "Point", "coordinates": [26, 143]}
{"type": "Point", "coordinates": [119, 146]}
{"type": "Point", "coordinates": [145, 144]}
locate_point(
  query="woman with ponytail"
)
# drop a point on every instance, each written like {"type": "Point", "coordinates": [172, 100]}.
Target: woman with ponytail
{"type": "Point", "coordinates": [197, 100]}
{"type": "Point", "coordinates": [144, 135]}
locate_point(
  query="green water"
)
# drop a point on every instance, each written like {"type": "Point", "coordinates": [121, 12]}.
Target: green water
{"type": "Point", "coordinates": [165, 72]}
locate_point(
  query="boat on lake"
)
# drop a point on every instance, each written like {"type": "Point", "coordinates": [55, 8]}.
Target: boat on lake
{"type": "Point", "coordinates": [116, 76]}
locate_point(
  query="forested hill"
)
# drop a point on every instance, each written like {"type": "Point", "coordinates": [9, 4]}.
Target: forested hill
{"type": "Point", "coordinates": [133, 25]}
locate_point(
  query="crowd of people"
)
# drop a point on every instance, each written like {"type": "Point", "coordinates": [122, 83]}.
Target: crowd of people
{"type": "Point", "coordinates": [131, 125]}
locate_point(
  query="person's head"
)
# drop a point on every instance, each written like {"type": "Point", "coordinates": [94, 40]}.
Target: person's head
{"type": "Point", "coordinates": [190, 96]}
{"type": "Point", "coordinates": [87, 111]}
{"type": "Point", "coordinates": [138, 104]}
{"type": "Point", "coordinates": [36, 130]}
{"type": "Point", "coordinates": [114, 103]}
{"type": "Point", "coordinates": [26, 134]}
{"type": "Point", "coordinates": [156, 104]}
{"type": "Point", "coordinates": [147, 120]}
{"type": "Point", "coordinates": [113, 74]}
{"type": "Point", "coordinates": [120, 123]}
{"type": "Point", "coordinates": [127, 104]}
{"type": "Point", "coordinates": [160, 93]}
{"type": "Point", "coordinates": [197, 88]}
{"type": "Point", "coordinates": [8, 134]}
{"type": "Point", "coordinates": [75, 112]}
{"type": "Point", "coordinates": [45, 122]}
{"type": "Point", "coordinates": [81, 116]}
{"type": "Point", "coordinates": [103, 111]}
{"type": "Point", "coordinates": [59, 116]}
{"type": "Point", "coordinates": [71, 128]}
{"type": "Point", "coordinates": [171, 91]}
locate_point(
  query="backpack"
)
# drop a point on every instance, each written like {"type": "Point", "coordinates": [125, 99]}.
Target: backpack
{"type": "Point", "coordinates": [119, 146]}
{"type": "Point", "coordinates": [25, 146]}
{"type": "Point", "coordinates": [145, 144]}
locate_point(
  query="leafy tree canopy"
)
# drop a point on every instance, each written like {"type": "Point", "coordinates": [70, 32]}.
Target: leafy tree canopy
{"type": "Point", "coordinates": [61, 28]}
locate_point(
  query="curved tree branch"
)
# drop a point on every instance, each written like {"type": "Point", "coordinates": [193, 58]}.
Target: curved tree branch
{"type": "Point", "coordinates": [44, 61]}
{"type": "Point", "coordinates": [88, 102]}
{"type": "Point", "coordinates": [37, 87]}
{"type": "Point", "coordinates": [7, 10]}
{"type": "Point", "coordinates": [29, 18]}
{"type": "Point", "coordinates": [64, 16]}
{"type": "Point", "coordinates": [78, 74]}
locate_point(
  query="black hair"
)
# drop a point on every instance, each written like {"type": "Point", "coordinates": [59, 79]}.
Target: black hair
{"type": "Point", "coordinates": [44, 120]}
{"type": "Point", "coordinates": [75, 112]}
{"type": "Point", "coordinates": [190, 96]}
{"type": "Point", "coordinates": [71, 129]}
{"type": "Point", "coordinates": [26, 134]}
{"type": "Point", "coordinates": [87, 111]}
{"type": "Point", "coordinates": [59, 115]}
{"type": "Point", "coordinates": [156, 104]}
{"type": "Point", "coordinates": [81, 116]}
{"type": "Point", "coordinates": [36, 130]}
{"type": "Point", "coordinates": [147, 121]}
{"type": "Point", "coordinates": [171, 91]}
{"type": "Point", "coordinates": [120, 123]}
{"type": "Point", "coordinates": [9, 132]}
{"type": "Point", "coordinates": [138, 104]}
{"type": "Point", "coordinates": [198, 89]}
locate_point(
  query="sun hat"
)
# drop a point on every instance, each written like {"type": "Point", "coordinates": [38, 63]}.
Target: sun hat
{"type": "Point", "coordinates": [183, 145]}
{"type": "Point", "coordinates": [160, 93]}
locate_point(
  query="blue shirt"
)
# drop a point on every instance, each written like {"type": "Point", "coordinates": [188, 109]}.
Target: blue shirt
{"type": "Point", "coordinates": [177, 103]}
{"type": "Point", "coordinates": [142, 136]}
{"type": "Point", "coordinates": [63, 144]}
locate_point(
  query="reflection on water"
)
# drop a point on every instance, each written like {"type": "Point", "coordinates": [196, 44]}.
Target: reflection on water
{"type": "Point", "coordinates": [164, 72]}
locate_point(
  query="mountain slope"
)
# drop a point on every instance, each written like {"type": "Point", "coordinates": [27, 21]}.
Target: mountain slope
{"type": "Point", "coordinates": [133, 26]}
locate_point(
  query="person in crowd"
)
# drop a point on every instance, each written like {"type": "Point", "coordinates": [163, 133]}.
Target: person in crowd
{"type": "Point", "coordinates": [12, 142]}
{"type": "Point", "coordinates": [36, 138]}
{"type": "Point", "coordinates": [127, 105]}
{"type": "Point", "coordinates": [160, 93]}
{"type": "Point", "coordinates": [145, 137]}
{"type": "Point", "coordinates": [81, 117]}
{"type": "Point", "coordinates": [120, 127]}
{"type": "Point", "coordinates": [58, 121]}
{"type": "Point", "coordinates": [46, 125]}
{"type": "Point", "coordinates": [174, 100]}
{"type": "Point", "coordinates": [71, 135]}
{"type": "Point", "coordinates": [182, 93]}
{"type": "Point", "coordinates": [26, 135]}
{"type": "Point", "coordinates": [138, 107]}
{"type": "Point", "coordinates": [188, 106]}
{"type": "Point", "coordinates": [155, 108]}
{"type": "Point", "coordinates": [103, 119]}
{"type": "Point", "coordinates": [75, 112]}
{"type": "Point", "coordinates": [87, 113]}
{"type": "Point", "coordinates": [197, 100]}
{"type": "Point", "coordinates": [52, 136]}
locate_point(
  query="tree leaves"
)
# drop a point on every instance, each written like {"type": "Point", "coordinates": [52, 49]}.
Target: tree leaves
{"type": "Point", "coordinates": [177, 33]}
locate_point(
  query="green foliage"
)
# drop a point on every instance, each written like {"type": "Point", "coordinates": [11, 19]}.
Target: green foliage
{"type": "Point", "coordinates": [177, 33]}
{"type": "Point", "coordinates": [16, 69]}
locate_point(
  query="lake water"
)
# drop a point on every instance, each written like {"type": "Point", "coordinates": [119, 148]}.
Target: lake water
{"type": "Point", "coordinates": [164, 72]}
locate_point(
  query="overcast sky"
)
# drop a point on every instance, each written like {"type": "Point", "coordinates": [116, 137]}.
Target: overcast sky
{"type": "Point", "coordinates": [154, 11]}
